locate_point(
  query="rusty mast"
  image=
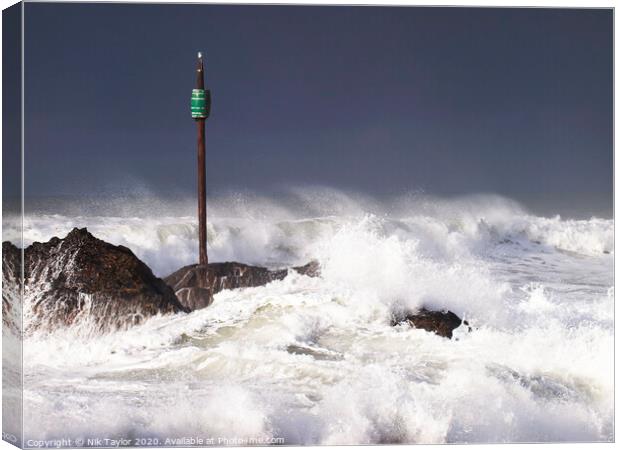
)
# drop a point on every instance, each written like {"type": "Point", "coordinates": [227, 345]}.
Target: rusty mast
{"type": "Point", "coordinates": [200, 107]}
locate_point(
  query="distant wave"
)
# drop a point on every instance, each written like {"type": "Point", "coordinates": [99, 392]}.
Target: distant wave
{"type": "Point", "coordinates": [261, 230]}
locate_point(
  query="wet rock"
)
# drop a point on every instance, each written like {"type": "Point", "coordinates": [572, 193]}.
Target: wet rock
{"type": "Point", "coordinates": [82, 280]}
{"type": "Point", "coordinates": [11, 276]}
{"type": "Point", "coordinates": [441, 323]}
{"type": "Point", "coordinates": [190, 285]}
{"type": "Point", "coordinates": [312, 269]}
{"type": "Point", "coordinates": [195, 285]}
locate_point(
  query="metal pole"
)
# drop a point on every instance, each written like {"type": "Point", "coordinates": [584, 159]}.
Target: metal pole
{"type": "Point", "coordinates": [202, 183]}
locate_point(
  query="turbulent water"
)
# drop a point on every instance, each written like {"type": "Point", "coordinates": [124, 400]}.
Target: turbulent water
{"type": "Point", "coordinates": [315, 360]}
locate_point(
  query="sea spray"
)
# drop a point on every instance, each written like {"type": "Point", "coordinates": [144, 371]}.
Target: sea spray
{"type": "Point", "coordinates": [317, 360]}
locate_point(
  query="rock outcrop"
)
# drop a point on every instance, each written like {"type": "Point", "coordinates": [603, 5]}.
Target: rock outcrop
{"type": "Point", "coordinates": [83, 280]}
{"type": "Point", "coordinates": [441, 323]}
{"type": "Point", "coordinates": [195, 285]}
{"type": "Point", "coordinates": [11, 286]}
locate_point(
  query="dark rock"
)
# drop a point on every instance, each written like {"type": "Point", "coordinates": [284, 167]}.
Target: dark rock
{"type": "Point", "coordinates": [81, 279]}
{"type": "Point", "coordinates": [469, 328]}
{"type": "Point", "coordinates": [312, 269]}
{"type": "Point", "coordinates": [441, 323]}
{"type": "Point", "coordinates": [195, 285]}
{"type": "Point", "coordinates": [191, 287]}
{"type": "Point", "coordinates": [11, 276]}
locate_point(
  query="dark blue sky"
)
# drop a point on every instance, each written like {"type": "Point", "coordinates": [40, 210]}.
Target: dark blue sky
{"type": "Point", "coordinates": [379, 100]}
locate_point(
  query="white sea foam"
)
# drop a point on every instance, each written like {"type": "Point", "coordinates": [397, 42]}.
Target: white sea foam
{"type": "Point", "coordinates": [315, 360]}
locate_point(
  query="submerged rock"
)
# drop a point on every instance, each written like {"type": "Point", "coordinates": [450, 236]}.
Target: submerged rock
{"type": "Point", "coordinates": [83, 280]}
{"type": "Point", "coordinates": [195, 285]}
{"type": "Point", "coordinates": [441, 323]}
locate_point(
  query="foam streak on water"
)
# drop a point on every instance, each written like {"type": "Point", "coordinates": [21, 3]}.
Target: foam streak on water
{"type": "Point", "coordinates": [315, 360]}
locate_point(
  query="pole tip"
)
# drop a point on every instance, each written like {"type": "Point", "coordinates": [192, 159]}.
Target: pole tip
{"type": "Point", "coordinates": [199, 55]}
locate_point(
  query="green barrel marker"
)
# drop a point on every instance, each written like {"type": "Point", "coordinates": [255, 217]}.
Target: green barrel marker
{"type": "Point", "coordinates": [200, 103]}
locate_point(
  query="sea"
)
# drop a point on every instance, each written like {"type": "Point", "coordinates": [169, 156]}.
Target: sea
{"type": "Point", "coordinates": [313, 361]}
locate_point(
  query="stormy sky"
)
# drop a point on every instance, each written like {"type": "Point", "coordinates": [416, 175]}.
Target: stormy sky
{"type": "Point", "coordinates": [383, 101]}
